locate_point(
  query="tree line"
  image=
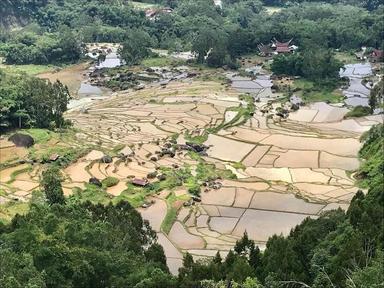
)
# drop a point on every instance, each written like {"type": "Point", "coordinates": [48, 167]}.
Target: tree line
{"type": "Point", "coordinates": [31, 102]}
{"type": "Point", "coordinates": [217, 35]}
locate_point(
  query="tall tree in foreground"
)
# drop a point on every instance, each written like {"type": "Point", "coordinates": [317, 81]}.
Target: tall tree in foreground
{"type": "Point", "coordinates": [51, 182]}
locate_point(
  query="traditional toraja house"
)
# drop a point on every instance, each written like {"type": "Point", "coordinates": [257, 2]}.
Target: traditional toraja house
{"type": "Point", "coordinates": [377, 55]}
{"type": "Point", "coordinates": [282, 47]}
{"type": "Point", "coordinates": [276, 47]}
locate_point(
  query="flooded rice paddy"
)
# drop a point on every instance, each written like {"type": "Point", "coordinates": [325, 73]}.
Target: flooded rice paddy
{"type": "Point", "coordinates": [286, 170]}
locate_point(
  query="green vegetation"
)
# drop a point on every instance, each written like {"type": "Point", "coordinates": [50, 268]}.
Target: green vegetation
{"type": "Point", "coordinates": [91, 193]}
{"type": "Point", "coordinates": [32, 46]}
{"type": "Point", "coordinates": [171, 215]}
{"type": "Point", "coordinates": [51, 183]}
{"type": "Point", "coordinates": [18, 172]}
{"type": "Point", "coordinates": [81, 245]}
{"type": "Point", "coordinates": [243, 114]}
{"type": "Point", "coordinates": [11, 209]}
{"type": "Point", "coordinates": [371, 170]}
{"type": "Point", "coordinates": [31, 102]}
{"type": "Point", "coordinates": [376, 97]}
{"type": "Point", "coordinates": [30, 69]}
{"type": "Point", "coordinates": [368, 4]}
{"type": "Point", "coordinates": [336, 250]}
{"type": "Point", "coordinates": [110, 182]}
{"type": "Point", "coordinates": [55, 29]}
{"type": "Point", "coordinates": [346, 57]}
{"type": "Point", "coordinates": [312, 92]}
{"type": "Point", "coordinates": [39, 135]}
{"type": "Point", "coordinates": [161, 61]}
{"type": "Point", "coordinates": [358, 111]}
{"type": "Point", "coordinates": [135, 47]}
{"type": "Point", "coordinates": [172, 210]}
{"type": "Point", "coordinates": [238, 165]}
{"type": "Point", "coordinates": [313, 63]}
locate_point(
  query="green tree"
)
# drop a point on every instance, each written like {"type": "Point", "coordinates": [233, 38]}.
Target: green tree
{"type": "Point", "coordinates": [210, 42]}
{"type": "Point", "coordinates": [135, 47]}
{"type": "Point", "coordinates": [51, 182]}
{"type": "Point", "coordinates": [376, 96]}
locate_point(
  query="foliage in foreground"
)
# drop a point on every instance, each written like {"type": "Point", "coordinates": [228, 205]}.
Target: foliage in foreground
{"type": "Point", "coordinates": [81, 245]}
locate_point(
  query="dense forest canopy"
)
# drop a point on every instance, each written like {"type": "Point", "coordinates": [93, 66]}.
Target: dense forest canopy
{"type": "Point", "coordinates": [31, 102]}
{"type": "Point", "coordinates": [236, 28]}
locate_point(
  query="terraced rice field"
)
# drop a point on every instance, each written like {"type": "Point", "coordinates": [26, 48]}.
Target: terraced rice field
{"type": "Point", "coordinates": [286, 171]}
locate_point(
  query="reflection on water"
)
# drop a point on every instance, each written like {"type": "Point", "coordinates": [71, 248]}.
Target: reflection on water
{"type": "Point", "coordinates": [88, 90]}
{"type": "Point", "coordinates": [358, 70]}
{"type": "Point", "coordinates": [111, 61]}
{"type": "Point", "coordinates": [259, 85]}
{"type": "Point", "coordinates": [357, 94]}
{"type": "Point", "coordinates": [357, 101]}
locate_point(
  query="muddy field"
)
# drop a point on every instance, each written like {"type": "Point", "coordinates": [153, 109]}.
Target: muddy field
{"type": "Point", "coordinates": [286, 170]}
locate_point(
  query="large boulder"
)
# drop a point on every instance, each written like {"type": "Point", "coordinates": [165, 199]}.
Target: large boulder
{"type": "Point", "coordinates": [22, 140]}
{"type": "Point", "coordinates": [106, 159]}
{"type": "Point", "coordinates": [95, 181]}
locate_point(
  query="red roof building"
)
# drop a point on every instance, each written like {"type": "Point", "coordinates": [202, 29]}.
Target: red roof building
{"type": "Point", "coordinates": [377, 55]}
{"type": "Point", "coordinates": [282, 47]}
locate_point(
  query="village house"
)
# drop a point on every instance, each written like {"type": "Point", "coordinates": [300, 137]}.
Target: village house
{"type": "Point", "coordinates": [282, 47]}
{"type": "Point", "coordinates": [153, 13]}
{"type": "Point", "coordinates": [276, 47]}
{"type": "Point", "coordinates": [377, 56]}
{"type": "Point", "coordinates": [140, 182]}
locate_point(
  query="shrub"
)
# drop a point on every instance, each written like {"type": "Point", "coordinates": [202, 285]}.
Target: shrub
{"type": "Point", "coordinates": [194, 190]}
{"type": "Point", "coordinates": [109, 182]}
{"type": "Point", "coordinates": [358, 111]}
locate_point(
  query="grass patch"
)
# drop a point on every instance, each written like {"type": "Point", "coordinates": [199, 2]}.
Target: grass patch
{"type": "Point", "coordinates": [18, 172]}
{"type": "Point", "coordinates": [67, 155]}
{"type": "Point", "coordinates": [109, 182]}
{"type": "Point", "coordinates": [134, 195]}
{"type": "Point", "coordinates": [62, 143]}
{"type": "Point", "coordinates": [346, 57]}
{"type": "Point", "coordinates": [310, 92]}
{"type": "Point", "coordinates": [200, 139]}
{"type": "Point", "coordinates": [243, 114]}
{"type": "Point", "coordinates": [171, 215]}
{"type": "Point", "coordinates": [358, 111]}
{"type": "Point", "coordinates": [159, 61]}
{"type": "Point", "coordinates": [118, 148]}
{"type": "Point", "coordinates": [239, 165]}
{"type": "Point", "coordinates": [10, 209]}
{"type": "Point", "coordinates": [29, 69]}
{"type": "Point", "coordinates": [40, 135]}
{"type": "Point", "coordinates": [2, 192]}
{"type": "Point", "coordinates": [91, 193]}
